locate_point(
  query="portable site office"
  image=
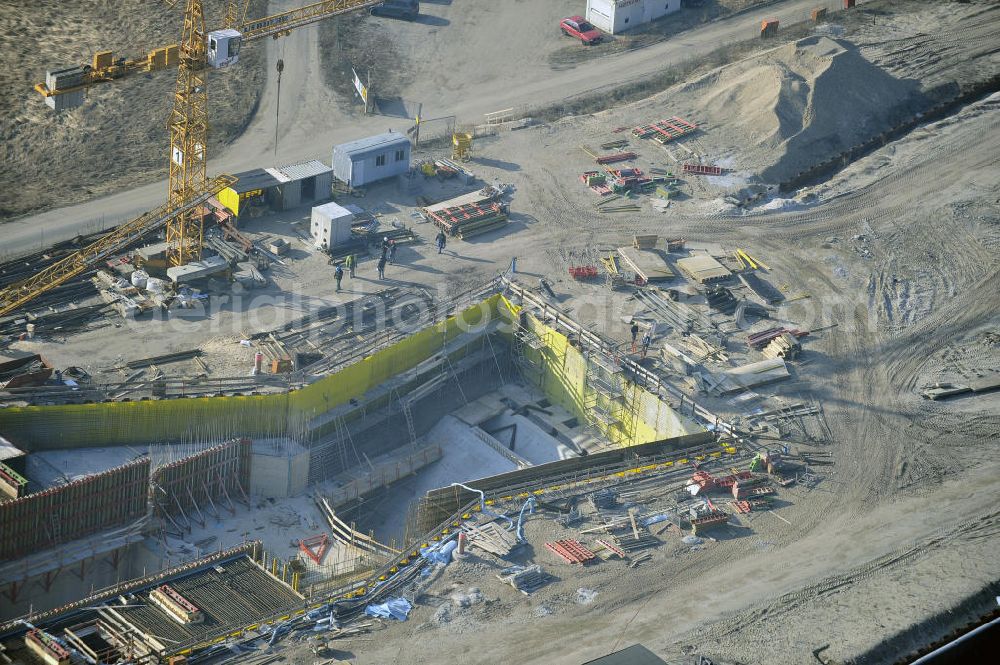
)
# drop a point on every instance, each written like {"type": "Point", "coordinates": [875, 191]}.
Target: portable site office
{"type": "Point", "coordinates": [371, 159]}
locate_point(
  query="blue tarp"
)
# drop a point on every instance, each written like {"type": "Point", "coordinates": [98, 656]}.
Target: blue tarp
{"type": "Point", "coordinates": [394, 608]}
{"type": "Point", "coordinates": [653, 519]}
{"type": "Point", "coordinates": [439, 553]}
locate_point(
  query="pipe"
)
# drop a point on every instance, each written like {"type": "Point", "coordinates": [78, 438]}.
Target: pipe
{"type": "Point", "coordinates": [930, 657]}
{"type": "Point", "coordinates": [482, 504]}
{"type": "Point", "coordinates": [529, 505]}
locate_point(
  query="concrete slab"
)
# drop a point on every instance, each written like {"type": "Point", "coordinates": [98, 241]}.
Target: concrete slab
{"type": "Point", "coordinates": [477, 412]}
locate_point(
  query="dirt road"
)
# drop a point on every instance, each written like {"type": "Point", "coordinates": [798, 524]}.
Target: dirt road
{"type": "Point", "coordinates": [857, 559]}
{"type": "Point", "coordinates": [311, 122]}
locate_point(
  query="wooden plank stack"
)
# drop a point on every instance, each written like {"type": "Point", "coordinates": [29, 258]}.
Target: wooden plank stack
{"type": "Point", "coordinates": [665, 131]}
{"type": "Point", "coordinates": [784, 346]}
{"type": "Point", "coordinates": [491, 538]}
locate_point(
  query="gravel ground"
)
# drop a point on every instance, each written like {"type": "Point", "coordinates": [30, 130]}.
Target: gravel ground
{"type": "Point", "coordinates": [897, 253]}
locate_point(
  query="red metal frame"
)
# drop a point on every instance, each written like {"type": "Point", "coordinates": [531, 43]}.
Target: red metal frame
{"type": "Point", "coordinates": [315, 546]}
{"type": "Point", "coordinates": [571, 550]}
{"type": "Point", "coordinates": [702, 169]}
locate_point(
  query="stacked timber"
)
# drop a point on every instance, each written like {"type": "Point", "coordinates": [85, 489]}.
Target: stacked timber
{"type": "Point", "coordinates": [491, 538]}
{"type": "Point", "coordinates": [469, 215]}
{"type": "Point", "coordinates": [761, 339]}
{"type": "Point", "coordinates": [631, 542]}
{"type": "Point", "coordinates": [783, 346]}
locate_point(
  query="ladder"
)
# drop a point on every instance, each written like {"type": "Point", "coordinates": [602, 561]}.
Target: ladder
{"type": "Point", "coordinates": [408, 414]}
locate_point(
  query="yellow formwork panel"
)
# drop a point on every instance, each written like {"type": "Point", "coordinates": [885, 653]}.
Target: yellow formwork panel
{"type": "Point", "coordinates": [122, 423]}
{"type": "Point", "coordinates": [357, 379]}
{"type": "Point", "coordinates": [642, 416]}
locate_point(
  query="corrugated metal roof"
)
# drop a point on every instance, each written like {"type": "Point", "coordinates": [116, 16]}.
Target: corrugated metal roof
{"type": "Point", "coordinates": [9, 450]}
{"type": "Point", "coordinates": [380, 141]}
{"type": "Point", "coordinates": [255, 179]}
{"type": "Point", "coordinates": [305, 169]}
{"type": "Point", "coordinates": [333, 210]}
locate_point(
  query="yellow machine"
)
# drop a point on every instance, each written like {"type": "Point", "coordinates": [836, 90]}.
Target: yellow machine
{"type": "Point", "coordinates": [461, 146]}
{"type": "Point", "coordinates": [199, 50]}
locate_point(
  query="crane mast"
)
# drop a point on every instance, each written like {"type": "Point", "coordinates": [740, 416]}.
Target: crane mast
{"type": "Point", "coordinates": [189, 189]}
{"type": "Point", "coordinates": [188, 138]}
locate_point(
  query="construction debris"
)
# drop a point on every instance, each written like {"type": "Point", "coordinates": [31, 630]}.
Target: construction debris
{"type": "Point", "coordinates": [720, 298]}
{"type": "Point", "coordinates": [603, 499]}
{"type": "Point", "coordinates": [709, 520]}
{"type": "Point", "coordinates": [761, 339]}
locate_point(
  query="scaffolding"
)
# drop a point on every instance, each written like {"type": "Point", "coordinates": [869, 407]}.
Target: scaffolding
{"type": "Point", "coordinates": [523, 340]}
{"type": "Point", "coordinates": [604, 394]}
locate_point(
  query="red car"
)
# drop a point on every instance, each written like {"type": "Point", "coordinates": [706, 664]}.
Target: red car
{"type": "Point", "coordinates": [577, 26]}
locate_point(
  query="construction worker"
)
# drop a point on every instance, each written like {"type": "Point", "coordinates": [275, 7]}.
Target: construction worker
{"type": "Point", "coordinates": [392, 251]}
{"type": "Point", "coordinates": [441, 240]}
{"type": "Point", "coordinates": [647, 339]}
{"type": "Point", "coordinates": [350, 262]}
{"type": "Point", "coordinates": [635, 333]}
{"type": "Point", "coordinates": [338, 275]}
{"type": "Point", "coordinates": [381, 267]}
{"type": "Point", "coordinates": [385, 244]}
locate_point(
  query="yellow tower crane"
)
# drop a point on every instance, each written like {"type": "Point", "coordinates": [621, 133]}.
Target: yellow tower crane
{"type": "Point", "coordinates": [188, 138]}
{"type": "Point", "coordinates": [198, 52]}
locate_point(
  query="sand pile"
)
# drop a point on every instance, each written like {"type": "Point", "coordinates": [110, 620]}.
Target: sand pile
{"type": "Point", "coordinates": [800, 104]}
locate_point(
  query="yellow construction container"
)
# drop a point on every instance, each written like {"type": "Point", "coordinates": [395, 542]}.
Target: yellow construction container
{"type": "Point", "coordinates": [230, 199]}
{"type": "Point", "coordinates": [102, 60]}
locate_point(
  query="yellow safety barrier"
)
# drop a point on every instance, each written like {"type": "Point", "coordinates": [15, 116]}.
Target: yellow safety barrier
{"type": "Point", "coordinates": [128, 423]}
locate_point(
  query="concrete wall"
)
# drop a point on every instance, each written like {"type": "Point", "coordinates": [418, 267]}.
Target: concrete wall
{"type": "Point", "coordinates": [214, 418]}
{"type": "Point", "coordinates": [59, 586]}
{"type": "Point", "coordinates": [279, 468]}
{"type": "Point", "coordinates": [61, 514]}
{"type": "Point", "coordinates": [641, 416]}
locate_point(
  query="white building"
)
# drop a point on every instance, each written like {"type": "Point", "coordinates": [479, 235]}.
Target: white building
{"type": "Point", "coordinates": [331, 225]}
{"type": "Point", "coordinates": [616, 16]}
